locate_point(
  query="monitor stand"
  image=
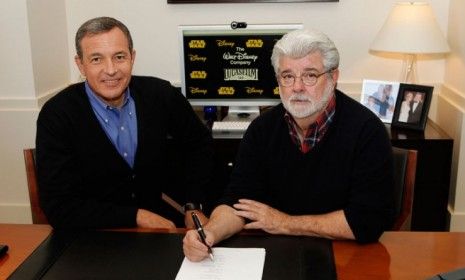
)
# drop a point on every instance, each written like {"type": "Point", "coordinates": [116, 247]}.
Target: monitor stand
{"type": "Point", "coordinates": [242, 113]}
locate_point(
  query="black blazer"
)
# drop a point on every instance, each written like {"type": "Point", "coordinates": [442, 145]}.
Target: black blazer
{"type": "Point", "coordinates": [415, 115]}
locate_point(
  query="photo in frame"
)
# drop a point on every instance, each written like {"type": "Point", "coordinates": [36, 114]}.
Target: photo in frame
{"type": "Point", "coordinates": [380, 97]}
{"type": "Point", "coordinates": [412, 106]}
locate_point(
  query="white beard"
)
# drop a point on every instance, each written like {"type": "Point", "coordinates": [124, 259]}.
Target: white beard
{"type": "Point", "coordinates": [309, 107]}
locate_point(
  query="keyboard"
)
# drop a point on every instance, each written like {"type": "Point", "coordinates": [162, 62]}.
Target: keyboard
{"type": "Point", "coordinates": [230, 126]}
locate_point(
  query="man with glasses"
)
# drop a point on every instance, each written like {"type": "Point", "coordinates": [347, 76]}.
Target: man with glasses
{"type": "Point", "coordinates": [319, 164]}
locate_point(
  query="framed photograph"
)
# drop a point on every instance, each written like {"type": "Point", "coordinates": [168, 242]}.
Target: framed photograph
{"type": "Point", "coordinates": [412, 106]}
{"type": "Point", "coordinates": [380, 97]}
{"type": "Point", "coordinates": [244, 1]}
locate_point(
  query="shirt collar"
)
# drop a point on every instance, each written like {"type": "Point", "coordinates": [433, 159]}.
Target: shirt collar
{"type": "Point", "coordinates": [327, 114]}
{"type": "Point", "coordinates": [316, 130]}
{"type": "Point", "coordinates": [322, 118]}
{"type": "Point", "coordinates": [98, 103]}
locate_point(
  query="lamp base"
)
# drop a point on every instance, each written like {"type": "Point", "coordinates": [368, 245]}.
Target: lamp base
{"type": "Point", "coordinates": [409, 69]}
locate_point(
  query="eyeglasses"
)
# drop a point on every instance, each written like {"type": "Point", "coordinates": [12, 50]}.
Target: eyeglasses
{"type": "Point", "coordinates": [308, 78]}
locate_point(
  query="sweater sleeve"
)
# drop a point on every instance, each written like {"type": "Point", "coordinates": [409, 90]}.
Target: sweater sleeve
{"type": "Point", "coordinates": [370, 210]}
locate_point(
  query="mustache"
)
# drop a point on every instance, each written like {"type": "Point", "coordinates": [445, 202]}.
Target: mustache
{"type": "Point", "coordinates": [298, 97]}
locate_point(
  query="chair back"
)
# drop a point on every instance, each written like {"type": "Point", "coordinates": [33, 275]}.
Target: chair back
{"type": "Point", "coordinates": [38, 216]}
{"type": "Point", "coordinates": [405, 164]}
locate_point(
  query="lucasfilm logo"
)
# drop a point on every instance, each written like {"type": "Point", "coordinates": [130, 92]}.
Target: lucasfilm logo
{"type": "Point", "coordinates": [241, 74]}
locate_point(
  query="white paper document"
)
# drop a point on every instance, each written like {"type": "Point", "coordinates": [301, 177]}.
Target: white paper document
{"type": "Point", "coordinates": [228, 264]}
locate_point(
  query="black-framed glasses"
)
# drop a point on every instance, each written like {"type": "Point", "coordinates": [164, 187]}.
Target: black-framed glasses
{"type": "Point", "coordinates": [308, 78]}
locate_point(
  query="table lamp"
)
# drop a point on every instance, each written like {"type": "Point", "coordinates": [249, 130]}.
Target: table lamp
{"type": "Point", "coordinates": [411, 29]}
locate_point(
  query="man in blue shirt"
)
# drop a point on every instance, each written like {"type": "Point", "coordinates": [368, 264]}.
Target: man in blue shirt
{"type": "Point", "coordinates": [102, 144]}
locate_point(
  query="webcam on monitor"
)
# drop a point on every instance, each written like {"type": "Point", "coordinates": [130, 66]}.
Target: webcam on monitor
{"type": "Point", "coordinates": [236, 24]}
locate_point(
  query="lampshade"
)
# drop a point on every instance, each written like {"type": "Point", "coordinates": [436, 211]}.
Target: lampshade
{"type": "Point", "coordinates": [410, 28]}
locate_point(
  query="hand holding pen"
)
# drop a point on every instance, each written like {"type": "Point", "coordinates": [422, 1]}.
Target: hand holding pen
{"type": "Point", "coordinates": [199, 229]}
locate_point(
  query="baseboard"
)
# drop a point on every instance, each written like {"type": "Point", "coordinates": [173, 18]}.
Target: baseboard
{"type": "Point", "coordinates": [457, 221]}
{"type": "Point", "coordinates": [15, 214]}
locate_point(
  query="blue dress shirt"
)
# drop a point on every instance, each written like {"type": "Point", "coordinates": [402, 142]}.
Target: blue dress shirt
{"type": "Point", "coordinates": [120, 124]}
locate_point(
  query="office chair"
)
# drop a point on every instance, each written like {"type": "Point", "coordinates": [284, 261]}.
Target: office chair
{"type": "Point", "coordinates": [405, 163]}
{"type": "Point", "coordinates": [38, 216]}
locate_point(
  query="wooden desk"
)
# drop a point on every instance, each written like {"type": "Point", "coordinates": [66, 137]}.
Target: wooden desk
{"type": "Point", "coordinates": [398, 255]}
{"type": "Point", "coordinates": [22, 240]}
{"type": "Point", "coordinates": [401, 255]}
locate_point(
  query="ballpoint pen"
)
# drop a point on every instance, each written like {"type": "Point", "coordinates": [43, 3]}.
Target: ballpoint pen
{"type": "Point", "coordinates": [199, 228]}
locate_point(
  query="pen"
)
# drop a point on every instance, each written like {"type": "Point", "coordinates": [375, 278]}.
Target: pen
{"type": "Point", "coordinates": [199, 228]}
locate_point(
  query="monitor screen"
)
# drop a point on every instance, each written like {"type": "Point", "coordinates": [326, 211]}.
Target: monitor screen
{"type": "Point", "coordinates": [222, 65]}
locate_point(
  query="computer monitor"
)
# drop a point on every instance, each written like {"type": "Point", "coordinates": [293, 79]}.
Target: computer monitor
{"type": "Point", "coordinates": [230, 65]}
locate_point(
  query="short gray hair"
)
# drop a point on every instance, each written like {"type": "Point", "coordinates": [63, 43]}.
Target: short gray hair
{"type": "Point", "coordinates": [301, 42]}
{"type": "Point", "coordinates": [100, 25]}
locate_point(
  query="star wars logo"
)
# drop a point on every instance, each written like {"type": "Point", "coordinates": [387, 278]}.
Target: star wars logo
{"type": "Point", "coordinates": [197, 44]}
{"type": "Point", "coordinates": [254, 43]}
{"type": "Point", "coordinates": [198, 75]}
{"type": "Point", "coordinates": [226, 91]}
{"type": "Point", "coordinates": [276, 91]}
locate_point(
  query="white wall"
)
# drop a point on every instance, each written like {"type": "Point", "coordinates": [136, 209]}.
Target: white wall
{"type": "Point", "coordinates": [34, 56]}
{"type": "Point", "coordinates": [352, 24]}
{"type": "Point", "coordinates": [16, 86]}
{"type": "Point", "coordinates": [49, 44]}
{"type": "Point", "coordinates": [42, 37]}
{"type": "Point", "coordinates": [451, 111]}
{"type": "Point", "coordinates": [16, 77]}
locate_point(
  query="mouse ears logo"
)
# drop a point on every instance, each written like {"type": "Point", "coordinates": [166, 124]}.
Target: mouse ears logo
{"type": "Point", "coordinates": [254, 43]}
{"type": "Point", "coordinates": [198, 75]}
{"type": "Point", "coordinates": [226, 91]}
{"type": "Point", "coordinates": [197, 44]}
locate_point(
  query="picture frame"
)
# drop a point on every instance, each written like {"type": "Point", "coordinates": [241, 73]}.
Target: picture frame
{"type": "Point", "coordinates": [380, 97]}
{"type": "Point", "coordinates": [412, 106]}
{"type": "Point", "coordinates": [244, 1]}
